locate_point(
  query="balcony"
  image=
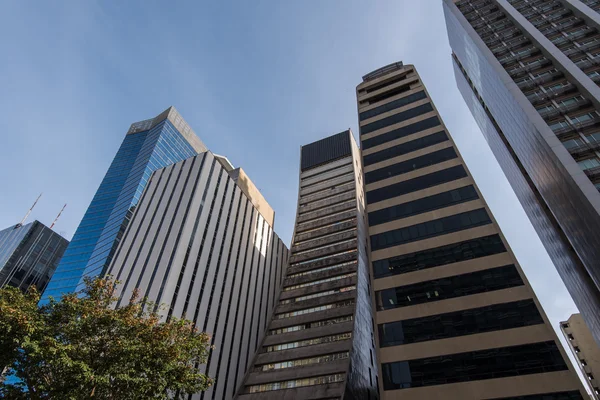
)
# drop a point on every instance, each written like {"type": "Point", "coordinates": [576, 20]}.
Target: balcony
{"type": "Point", "coordinates": [529, 83]}
{"type": "Point", "coordinates": [592, 172]}
{"type": "Point", "coordinates": [583, 149]}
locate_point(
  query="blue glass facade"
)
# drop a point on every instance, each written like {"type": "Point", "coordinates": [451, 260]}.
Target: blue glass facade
{"type": "Point", "coordinates": [142, 152]}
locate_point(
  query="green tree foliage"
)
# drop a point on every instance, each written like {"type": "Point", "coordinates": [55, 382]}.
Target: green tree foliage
{"type": "Point", "coordinates": [81, 348]}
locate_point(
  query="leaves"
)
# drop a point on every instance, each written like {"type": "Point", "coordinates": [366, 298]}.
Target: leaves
{"type": "Point", "coordinates": [80, 347]}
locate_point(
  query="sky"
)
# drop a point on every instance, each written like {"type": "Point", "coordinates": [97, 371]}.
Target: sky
{"type": "Point", "coordinates": [254, 79]}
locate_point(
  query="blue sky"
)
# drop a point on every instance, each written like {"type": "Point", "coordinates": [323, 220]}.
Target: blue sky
{"type": "Point", "coordinates": [254, 79]}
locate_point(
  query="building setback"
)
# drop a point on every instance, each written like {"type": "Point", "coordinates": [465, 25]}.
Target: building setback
{"type": "Point", "coordinates": [29, 255]}
{"type": "Point", "coordinates": [320, 341]}
{"type": "Point", "coordinates": [148, 146]}
{"type": "Point", "coordinates": [529, 72]}
{"type": "Point", "coordinates": [585, 349]}
{"type": "Point", "coordinates": [455, 316]}
{"type": "Point", "coordinates": [201, 242]}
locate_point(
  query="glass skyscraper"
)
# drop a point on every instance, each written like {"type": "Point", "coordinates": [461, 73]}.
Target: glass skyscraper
{"type": "Point", "coordinates": [149, 145]}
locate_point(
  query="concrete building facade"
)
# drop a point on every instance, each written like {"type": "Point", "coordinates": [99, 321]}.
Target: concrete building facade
{"type": "Point", "coordinates": [29, 255]}
{"type": "Point", "coordinates": [203, 245]}
{"type": "Point", "coordinates": [529, 71]}
{"type": "Point", "coordinates": [585, 349]}
{"type": "Point", "coordinates": [455, 316]}
{"type": "Point", "coordinates": [320, 341]}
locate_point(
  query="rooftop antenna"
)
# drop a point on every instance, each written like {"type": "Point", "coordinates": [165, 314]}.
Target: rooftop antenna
{"type": "Point", "coordinates": [20, 224]}
{"type": "Point", "coordinates": [56, 219]}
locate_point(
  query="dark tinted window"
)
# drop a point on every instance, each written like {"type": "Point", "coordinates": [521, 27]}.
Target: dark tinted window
{"type": "Point", "coordinates": [487, 280]}
{"type": "Point", "coordinates": [572, 395]}
{"type": "Point", "coordinates": [485, 364]}
{"type": "Point", "coordinates": [400, 132]}
{"type": "Point", "coordinates": [437, 201]}
{"type": "Point", "coordinates": [430, 229]}
{"type": "Point", "coordinates": [466, 322]}
{"type": "Point", "coordinates": [415, 184]}
{"type": "Point", "coordinates": [456, 252]}
{"type": "Point", "coordinates": [423, 161]}
{"type": "Point", "coordinates": [396, 118]}
{"type": "Point", "coordinates": [405, 148]}
{"type": "Point", "coordinates": [392, 105]}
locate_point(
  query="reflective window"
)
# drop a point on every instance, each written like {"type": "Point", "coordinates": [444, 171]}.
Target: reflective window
{"type": "Point", "coordinates": [319, 294]}
{"type": "Point", "coordinates": [425, 204]}
{"type": "Point", "coordinates": [400, 132]}
{"type": "Point", "coordinates": [314, 309]}
{"type": "Point", "coordinates": [309, 342]}
{"type": "Point", "coordinates": [333, 278]}
{"type": "Point", "coordinates": [487, 280]}
{"type": "Point", "coordinates": [455, 252]}
{"type": "Point", "coordinates": [465, 322]}
{"type": "Point", "coordinates": [429, 229]}
{"type": "Point", "coordinates": [392, 105]}
{"type": "Point", "coordinates": [405, 148]}
{"type": "Point", "coordinates": [310, 325]}
{"type": "Point", "coordinates": [589, 163]}
{"type": "Point", "coordinates": [318, 380]}
{"type": "Point", "coordinates": [416, 184]}
{"type": "Point", "coordinates": [485, 364]}
{"type": "Point", "coordinates": [396, 118]}
{"type": "Point", "coordinates": [303, 361]}
{"type": "Point", "coordinates": [413, 164]}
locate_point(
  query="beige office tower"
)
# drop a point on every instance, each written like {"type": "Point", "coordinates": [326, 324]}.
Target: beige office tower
{"type": "Point", "coordinates": [455, 316]}
{"type": "Point", "coordinates": [586, 351]}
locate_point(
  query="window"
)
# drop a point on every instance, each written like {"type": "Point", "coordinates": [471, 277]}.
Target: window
{"type": "Point", "coordinates": [318, 380]}
{"type": "Point", "coordinates": [447, 288]}
{"type": "Point", "coordinates": [572, 143]}
{"type": "Point", "coordinates": [478, 365]}
{"type": "Point", "coordinates": [400, 132]}
{"type": "Point", "coordinates": [392, 105]}
{"type": "Point", "coordinates": [310, 325]}
{"type": "Point", "coordinates": [466, 322]}
{"type": "Point", "coordinates": [311, 310]}
{"type": "Point", "coordinates": [589, 163]}
{"type": "Point", "coordinates": [405, 148]}
{"type": "Point", "coordinates": [333, 278]}
{"type": "Point", "coordinates": [445, 199]}
{"type": "Point", "coordinates": [594, 137]}
{"type": "Point", "coordinates": [558, 125]}
{"type": "Point", "coordinates": [425, 230]}
{"type": "Point", "coordinates": [319, 294]}
{"type": "Point", "coordinates": [413, 164]}
{"type": "Point", "coordinates": [415, 184]}
{"type": "Point", "coordinates": [396, 118]}
{"type": "Point", "coordinates": [456, 252]}
{"type": "Point", "coordinates": [303, 361]}
{"type": "Point", "coordinates": [583, 118]}
{"type": "Point", "coordinates": [309, 342]}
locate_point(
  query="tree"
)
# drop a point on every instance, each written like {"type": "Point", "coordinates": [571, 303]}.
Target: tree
{"type": "Point", "coordinates": [81, 348]}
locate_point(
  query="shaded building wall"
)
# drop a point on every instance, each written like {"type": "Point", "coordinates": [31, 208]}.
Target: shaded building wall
{"type": "Point", "coordinates": [199, 247]}
{"type": "Point", "coordinates": [585, 349]}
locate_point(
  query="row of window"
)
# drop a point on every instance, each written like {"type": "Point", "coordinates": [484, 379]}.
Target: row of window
{"type": "Point", "coordinates": [455, 252]}
{"type": "Point", "coordinates": [333, 278]}
{"type": "Point", "coordinates": [429, 229]}
{"type": "Point", "coordinates": [400, 132]}
{"type": "Point", "coordinates": [311, 325]}
{"type": "Point", "coordinates": [487, 280]}
{"type": "Point", "coordinates": [314, 309]}
{"type": "Point", "coordinates": [425, 204]}
{"type": "Point", "coordinates": [405, 148]}
{"type": "Point", "coordinates": [303, 361]}
{"type": "Point", "coordinates": [313, 260]}
{"type": "Point", "coordinates": [312, 271]}
{"type": "Point", "coordinates": [396, 118]}
{"type": "Point", "coordinates": [416, 184]}
{"type": "Point", "coordinates": [326, 246]}
{"type": "Point", "coordinates": [309, 342]}
{"type": "Point", "coordinates": [317, 380]}
{"type": "Point", "coordinates": [465, 322]}
{"type": "Point", "coordinates": [413, 164]}
{"type": "Point", "coordinates": [392, 105]}
{"type": "Point", "coordinates": [319, 294]}
{"type": "Point", "coordinates": [477, 365]}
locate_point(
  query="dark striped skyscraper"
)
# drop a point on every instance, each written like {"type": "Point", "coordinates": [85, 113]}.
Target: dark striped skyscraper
{"type": "Point", "coordinates": [529, 71]}
{"type": "Point", "coordinates": [455, 317]}
{"type": "Point", "coordinates": [201, 242]}
{"type": "Point", "coordinates": [148, 145]}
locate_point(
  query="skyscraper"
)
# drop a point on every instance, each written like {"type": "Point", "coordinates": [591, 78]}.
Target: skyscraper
{"type": "Point", "coordinates": [455, 316]}
{"type": "Point", "coordinates": [201, 242]}
{"type": "Point", "coordinates": [29, 255]}
{"type": "Point", "coordinates": [148, 145]}
{"type": "Point", "coordinates": [320, 340]}
{"type": "Point", "coordinates": [529, 72]}
{"type": "Point", "coordinates": [585, 350]}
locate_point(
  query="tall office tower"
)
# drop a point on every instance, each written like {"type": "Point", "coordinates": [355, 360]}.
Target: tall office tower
{"type": "Point", "coordinates": [529, 72]}
{"type": "Point", "coordinates": [201, 242]}
{"type": "Point", "coordinates": [148, 146]}
{"type": "Point", "coordinates": [456, 317]}
{"type": "Point", "coordinates": [320, 341]}
{"type": "Point", "coordinates": [585, 349]}
{"type": "Point", "coordinates": [29, 255]}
